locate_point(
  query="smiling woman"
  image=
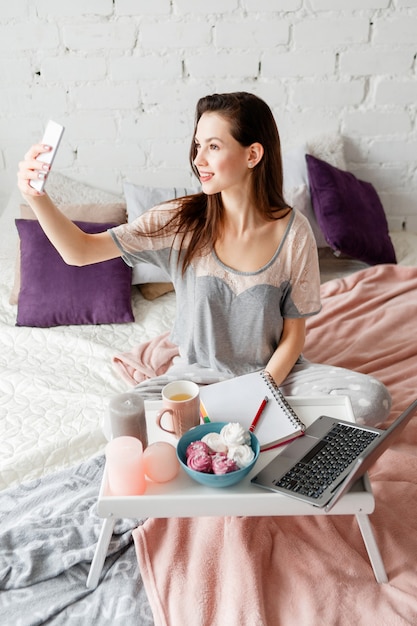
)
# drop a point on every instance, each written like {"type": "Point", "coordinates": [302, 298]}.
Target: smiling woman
{"type": "Point", "coordinates": [243, 263]}
{"type": "Point", "coordinates": [247, 241]}
{"type": "Point", "coordinates": [221, 159]}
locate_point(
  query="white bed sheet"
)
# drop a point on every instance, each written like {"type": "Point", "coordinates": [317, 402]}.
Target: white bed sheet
{"type": "Point", "coordinates": [55, 383]}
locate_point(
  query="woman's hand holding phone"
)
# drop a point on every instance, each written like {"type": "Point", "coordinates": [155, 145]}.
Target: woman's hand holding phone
{"type": "Point", "coordinates": [34, 170]}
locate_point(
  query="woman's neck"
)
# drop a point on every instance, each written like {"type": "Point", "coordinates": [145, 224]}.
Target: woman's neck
{"type": "Point", "coordinates": [240, 213]}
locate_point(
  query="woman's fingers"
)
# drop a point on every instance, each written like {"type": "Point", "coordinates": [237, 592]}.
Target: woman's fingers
{"type": "Point", "coordinates": [32, 169]}
{"type": "Point", "coordinates": [36, 150]}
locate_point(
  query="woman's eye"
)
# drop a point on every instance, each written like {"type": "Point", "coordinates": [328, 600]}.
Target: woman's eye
{"type": "Point", "coordinates": [213, 146]}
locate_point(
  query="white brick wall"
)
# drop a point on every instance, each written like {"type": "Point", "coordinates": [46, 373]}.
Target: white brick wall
{"type": "Point", "coordinates": [123, 76]}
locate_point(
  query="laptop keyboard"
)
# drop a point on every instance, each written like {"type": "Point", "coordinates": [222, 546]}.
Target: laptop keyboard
{"type": "Point", "coordinates": [326, 460]}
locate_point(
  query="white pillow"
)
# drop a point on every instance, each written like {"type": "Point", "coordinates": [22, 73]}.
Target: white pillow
{"type": "Point", "coordinates": [327, 147]}
{"type": "Point", "coordinates": [138, 200]}
{"type": "Point", "coordinates": [8, 233]}
{"type": "Point", "coordinates": [63, 191]}
{"type": "Point", "coordinates": [299, 199]}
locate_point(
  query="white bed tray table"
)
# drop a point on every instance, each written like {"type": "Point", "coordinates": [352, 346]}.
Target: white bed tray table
{"type": "Point", "coordinates": [183, 497]}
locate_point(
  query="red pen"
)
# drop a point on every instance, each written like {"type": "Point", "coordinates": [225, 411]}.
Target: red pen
{"type": "Point", "coordinates": [258, 414]}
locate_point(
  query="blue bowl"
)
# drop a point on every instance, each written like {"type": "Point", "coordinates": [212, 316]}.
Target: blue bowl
{"type": "Point", "coordinates": [213, 480]}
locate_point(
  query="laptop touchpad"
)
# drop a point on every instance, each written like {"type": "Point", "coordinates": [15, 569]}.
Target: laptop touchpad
{"type": "Point", "coordinates": [296, 449]}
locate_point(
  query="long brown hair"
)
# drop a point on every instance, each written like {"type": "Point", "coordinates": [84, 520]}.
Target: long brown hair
{"type": "Point", "coordinates": [200, 216]}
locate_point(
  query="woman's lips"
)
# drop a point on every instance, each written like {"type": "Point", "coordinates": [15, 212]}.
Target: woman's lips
{"type": "Point", "coordinates": [205, 176]}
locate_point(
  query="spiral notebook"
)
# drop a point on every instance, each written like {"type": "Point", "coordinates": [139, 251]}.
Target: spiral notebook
{"type": "Point", "coordinates": [239, 399]}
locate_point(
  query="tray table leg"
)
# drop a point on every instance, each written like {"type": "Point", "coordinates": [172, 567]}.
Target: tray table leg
{"type": "Point", "coordinates": [101, 552]}
{"type": "Point", "coordinates": [372, 547]}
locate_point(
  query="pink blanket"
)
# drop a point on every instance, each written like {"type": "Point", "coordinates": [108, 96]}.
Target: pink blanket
{"type": "Point", "coordinates": [310, 571]}
{"type": "Point", "coordinates": [368, 324]}
{"type": "Point", "coordinates": [146, 360]}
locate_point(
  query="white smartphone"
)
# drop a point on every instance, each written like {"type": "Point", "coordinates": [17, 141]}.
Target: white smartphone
{"type": "Point", "coordinates": [51, 137]}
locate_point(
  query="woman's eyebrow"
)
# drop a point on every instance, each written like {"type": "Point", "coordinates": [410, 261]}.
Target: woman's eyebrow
{"type": "Point", "coordinates": [209, 139]}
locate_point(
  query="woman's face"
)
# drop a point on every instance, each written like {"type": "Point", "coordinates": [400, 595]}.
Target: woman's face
{"type": "Point", "coordinates": [222, 163]}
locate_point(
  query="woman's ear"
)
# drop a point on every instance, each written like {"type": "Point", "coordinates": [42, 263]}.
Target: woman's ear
{"type": "Point", "coordinates": [256, 152]}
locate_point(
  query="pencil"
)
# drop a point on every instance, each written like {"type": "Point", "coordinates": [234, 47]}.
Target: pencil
{"type": "Point", "coordinates": [203, 413]}
{"type": "Point", "coordinates": [258, 414]}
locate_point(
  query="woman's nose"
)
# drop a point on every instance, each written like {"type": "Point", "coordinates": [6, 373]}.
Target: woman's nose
{"type": "Point", "coordinates": [200, 158]}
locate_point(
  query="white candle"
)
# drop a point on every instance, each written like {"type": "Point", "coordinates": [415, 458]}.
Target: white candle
{"type": "Point", "coordinates": [125, 467]}
{"type": "Point", "coordinates": [126, 414]}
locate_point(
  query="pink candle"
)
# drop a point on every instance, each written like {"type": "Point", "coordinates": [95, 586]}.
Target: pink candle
{"type": "Point", "coordinates": [160, 462]}
{"type": "Point", "coordinates": [125, 468]}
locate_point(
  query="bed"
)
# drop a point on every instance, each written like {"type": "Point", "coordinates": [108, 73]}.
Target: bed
{"type": "Point", "coordinates": [55, 383]}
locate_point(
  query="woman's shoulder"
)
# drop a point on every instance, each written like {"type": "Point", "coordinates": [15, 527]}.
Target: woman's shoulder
{"type": "Point", "coordinates": [150, 221]}
{"type": "Point", "coordinates": [156, 215]}
{"type": "Point", "coordinates": [164, 208]}
{"type": "Point", "coordinates": [301, 224]}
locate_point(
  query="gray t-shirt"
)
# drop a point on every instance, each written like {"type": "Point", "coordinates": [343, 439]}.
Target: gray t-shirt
{"type": "Point", "coordinates": [228, 320]}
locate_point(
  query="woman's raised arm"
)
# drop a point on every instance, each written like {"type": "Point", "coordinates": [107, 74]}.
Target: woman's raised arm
{"type": "Point", "coordinates": [75, 246]}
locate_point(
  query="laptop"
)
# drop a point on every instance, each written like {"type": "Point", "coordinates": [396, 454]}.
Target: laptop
{"type": "Point", "coordinates": [333, 454]}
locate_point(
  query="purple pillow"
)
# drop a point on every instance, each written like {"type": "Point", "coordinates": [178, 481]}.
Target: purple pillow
{"type": "Point", "coordinates": [349, 213]}
{"type": "Point", "coordinates": [53, 293]}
